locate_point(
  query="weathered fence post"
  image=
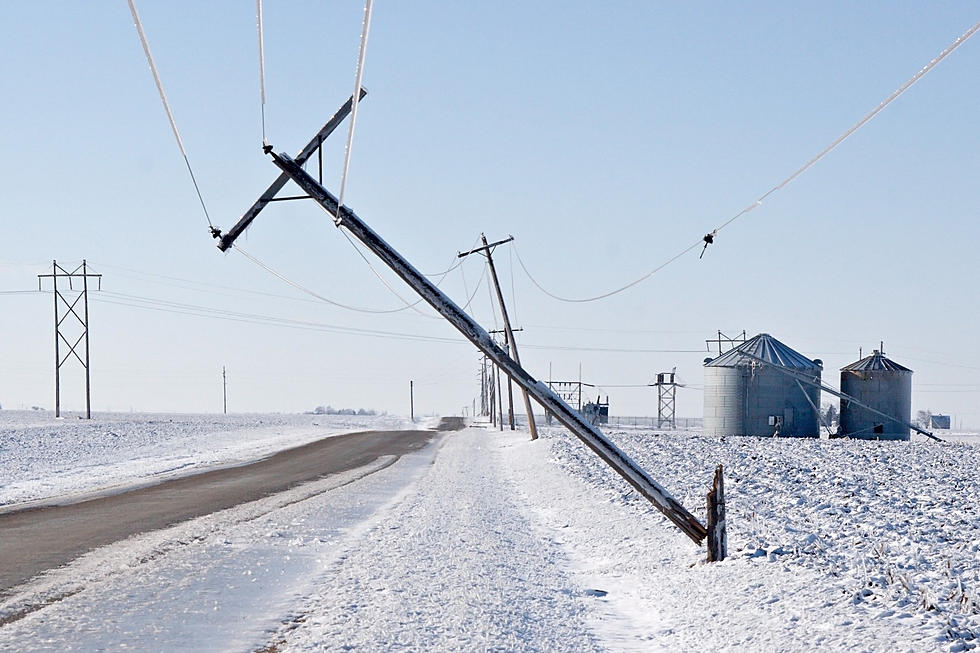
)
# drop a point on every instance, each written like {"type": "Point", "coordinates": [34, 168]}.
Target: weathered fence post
{"type": "Point", "coordinates": [717, 536]}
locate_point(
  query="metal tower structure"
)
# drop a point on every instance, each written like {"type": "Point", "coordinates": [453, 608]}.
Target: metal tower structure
{"type": "Point", "coordinates": [667, 398]}
{"type": "Point", "coordinates": [65, 307]}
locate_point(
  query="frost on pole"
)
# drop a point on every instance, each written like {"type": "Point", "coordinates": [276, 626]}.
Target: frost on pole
{"type": "Point", "coordinates": [571, 419]}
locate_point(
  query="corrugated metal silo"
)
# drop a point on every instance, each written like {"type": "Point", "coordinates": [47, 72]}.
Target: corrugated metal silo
{"type": "Point", "coordinates": [882, 384]}
{"type": "Point", "coordinates": [745, 395]}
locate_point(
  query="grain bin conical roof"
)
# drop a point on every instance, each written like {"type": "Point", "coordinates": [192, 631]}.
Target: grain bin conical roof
{"type": "Point", "coordinates": [875, 362]}
{"type": "Point", "coordinates": [767, 348]}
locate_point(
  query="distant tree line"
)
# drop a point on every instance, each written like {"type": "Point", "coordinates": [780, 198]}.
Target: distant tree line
{"type": "Point", "coordinates": [329, 410]}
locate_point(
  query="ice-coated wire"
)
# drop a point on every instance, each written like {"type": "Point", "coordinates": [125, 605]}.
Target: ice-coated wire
{"type": "Point", "coordinates": [384, 281]}
{"type": "Point", "coordinates": [166, 104]}
{"type": "Point", "coordinates": [358, 75]}
{"type": "Point", "coordinates": [258, 11]}
{"type": "Point", "coordinates": [785, 182]}
{"type": "Point", "coordinates": [476, 288]}
{"type": "Point", "coordinates": [312, 293]}
{"type": "Point", "coordinates": [604, 295]}
{"type": "Point", "coordinates": [513, 291]}
{"type": "Point", "coordinates": [441, 278]}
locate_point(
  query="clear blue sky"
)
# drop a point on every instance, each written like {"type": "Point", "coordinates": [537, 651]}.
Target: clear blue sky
{"type": "Point", "coordinates": [605, 137]}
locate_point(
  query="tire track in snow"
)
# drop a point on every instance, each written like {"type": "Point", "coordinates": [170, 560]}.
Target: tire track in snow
{"type": "Point", "coordinates": [455, 566]}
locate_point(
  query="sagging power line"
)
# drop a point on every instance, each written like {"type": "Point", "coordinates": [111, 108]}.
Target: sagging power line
{"type": "Point", "coordinates": [709, 238]}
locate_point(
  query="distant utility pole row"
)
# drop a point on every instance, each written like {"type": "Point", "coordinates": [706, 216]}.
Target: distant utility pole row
{"type": "Point", "coordinates": [510, 345]}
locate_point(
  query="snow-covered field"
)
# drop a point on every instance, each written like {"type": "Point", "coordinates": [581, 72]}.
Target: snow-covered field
{"type": "Point", "coordinates": [42, 457]}
{"type": "Point", "coordinates": [833, 544]}
{"type": "Point", "coordinates": [486, 540]}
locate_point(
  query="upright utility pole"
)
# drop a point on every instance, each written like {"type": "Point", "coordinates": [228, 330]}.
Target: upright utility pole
{"type": "Point", "coordinates": [500, 401]}
{"type": "Point", "coordinates": [82, 273]}
{"type": "Point", "coordinates": [224, 389]}
{"type": "Point", "coordinates": [510, 385]}
{"type": "Point", "coordinates": [411, 398]}
{"type": "Point", "coordinates": [511, 344]}
{"type": "Point", "coordinates": [484, 409]}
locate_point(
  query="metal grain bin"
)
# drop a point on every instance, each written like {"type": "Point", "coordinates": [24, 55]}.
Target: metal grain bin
{"type": "Point", "coordinates": [758, 389]}
{"type": "Point", "coordinates": [882, 384]}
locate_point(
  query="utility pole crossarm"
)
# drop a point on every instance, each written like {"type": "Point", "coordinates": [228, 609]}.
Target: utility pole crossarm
{"type": "Point", "coordinates": [227, 240]}
{"type": "Point", "coordinates": [589, 434]}
{"type": "Point", "coordinates": [486, 247]}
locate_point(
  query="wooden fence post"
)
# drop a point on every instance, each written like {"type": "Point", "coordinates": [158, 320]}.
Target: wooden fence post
{"type": "Point", "coordinates": [717, 535]}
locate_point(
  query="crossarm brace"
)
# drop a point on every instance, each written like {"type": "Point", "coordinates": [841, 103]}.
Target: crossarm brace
{"type": "Point", "coordinates": [227, 240]}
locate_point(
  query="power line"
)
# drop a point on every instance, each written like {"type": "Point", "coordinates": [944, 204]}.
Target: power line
{"type": "Point", "coordinates": [182, 308]}
{"type": "Point", "coordinates": [358, 75]}
{"type": "Point", "coordinates": [316, 295]}
{"type": "Point", "coordinates": [258, 12]}
{"type": "Point", "coordinates": [380, 278]}
{"type": "Point", "coordinates": [182, 282]}
{"type": "Point", "coordinates": [624, 350]}
{"type": "Point", "coordinates": [166, 106]}
{"type": "Point", "coordinates": [709, 238]}
{"type": "Point", "coordinates": [134, 301]}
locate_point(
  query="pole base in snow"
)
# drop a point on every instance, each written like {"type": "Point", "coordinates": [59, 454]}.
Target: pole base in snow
{"type": "Point", "coordinates": [717, 534]}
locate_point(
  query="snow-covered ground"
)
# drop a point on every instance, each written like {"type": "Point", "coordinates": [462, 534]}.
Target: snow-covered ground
{"type": "Point", "coordinates": [486, 540]}
{"type": "Point", "coordinates": [833, 544]}
{"type": "Point", "coordinates": [42, 457]}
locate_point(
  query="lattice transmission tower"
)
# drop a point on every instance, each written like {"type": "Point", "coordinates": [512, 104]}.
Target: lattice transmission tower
{"type": "Point", "coordinates": [65, 307]}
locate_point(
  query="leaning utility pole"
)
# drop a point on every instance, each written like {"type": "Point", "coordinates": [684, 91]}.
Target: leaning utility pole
{"type": "Point", "coordinates": [81, 272]}
{"type": "Point", "coordinates": [511, 344]}
{"type": "Point", "coordinates": [591, 436]}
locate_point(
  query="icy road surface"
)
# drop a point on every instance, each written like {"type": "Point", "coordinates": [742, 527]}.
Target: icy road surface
{"type": "Point", "coordinates": [44, 458]}
{"type": "Point", "coordinates": [433, 552]}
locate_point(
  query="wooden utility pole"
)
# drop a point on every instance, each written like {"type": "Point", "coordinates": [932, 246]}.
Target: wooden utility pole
{"type": "Point", "coordinates": [717, 533]}
{"type": "Point", "coordinates": [500, 401]}
{"type": "Point", "coordinates": [224, 389]}
{"type": "Point", "coordinates": [510, 385]}
{"type": "Point", "coordinates": [411, 398]}
{"type": "Point", "coordinates": [589, 434]}
{"type": "Point", "coordinates": [511, 344]}
{"type": "Point", "coordinates": [592, 437]}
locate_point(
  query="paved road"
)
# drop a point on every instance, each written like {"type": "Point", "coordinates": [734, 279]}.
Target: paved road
{"type": "Point", "coordinates": [34, 540]}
